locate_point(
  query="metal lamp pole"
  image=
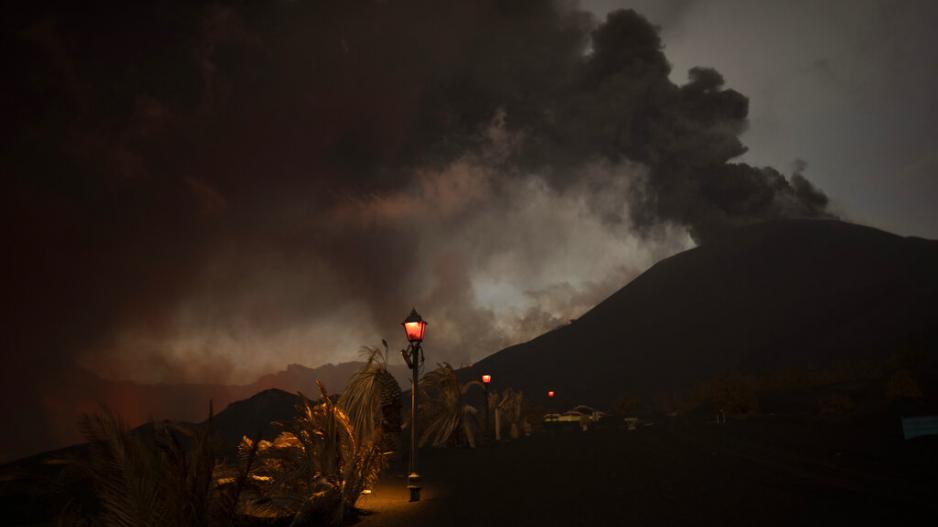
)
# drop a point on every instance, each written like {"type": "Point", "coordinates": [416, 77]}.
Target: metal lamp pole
{"type": "Point", "coordinates": [486, 380]}
{"type": "Point", "coordinates": [414, 327]}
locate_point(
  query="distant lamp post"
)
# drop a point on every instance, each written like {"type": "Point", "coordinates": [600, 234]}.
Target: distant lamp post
{"type": "Point", "coordinates": [414, 328]}
{"type": "Point", "coordinates": [486, 380]}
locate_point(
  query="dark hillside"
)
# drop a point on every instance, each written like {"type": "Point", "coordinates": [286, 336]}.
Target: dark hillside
{"type": "Point", "coordinates": [776, 295]}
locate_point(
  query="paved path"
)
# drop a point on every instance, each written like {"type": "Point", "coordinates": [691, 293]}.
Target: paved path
{"type": "Point", "coordinates": [647, 477]}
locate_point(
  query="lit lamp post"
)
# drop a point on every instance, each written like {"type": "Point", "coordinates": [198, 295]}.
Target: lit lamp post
{"type": "Point", "coordinates": [414, 327]}
{"type": "Point", "coordinates": [554, 422]}
{"type": "Point", "coordinates": [486, 380]}
{"type": "Point", "coordinates": [550, 395]}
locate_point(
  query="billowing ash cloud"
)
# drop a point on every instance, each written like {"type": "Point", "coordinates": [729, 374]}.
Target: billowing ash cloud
{"type": "Point", "coordinates": [209, 191]}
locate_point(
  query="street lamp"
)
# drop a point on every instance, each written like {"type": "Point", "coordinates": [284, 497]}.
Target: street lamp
{"type": "Point", "coordinates": [414, 328]}
{"type": "Point", "coordinates": [486, 380]}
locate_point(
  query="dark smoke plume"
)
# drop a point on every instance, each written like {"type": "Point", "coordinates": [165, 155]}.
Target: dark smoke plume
{"type": "Point", "coordinates": [193, 185]}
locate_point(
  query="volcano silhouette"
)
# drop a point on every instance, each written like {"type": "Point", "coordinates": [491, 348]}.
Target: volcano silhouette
{"type": "Point", "coordinates": [781, 294]}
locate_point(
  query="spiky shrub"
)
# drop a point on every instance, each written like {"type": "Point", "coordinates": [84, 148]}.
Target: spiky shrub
{"type": "Point", "coordinates": [165, 477]}
{"type": "Point", "coordinates": [316, 469]}
{"type": "Point", "coordinates": [447, 419]}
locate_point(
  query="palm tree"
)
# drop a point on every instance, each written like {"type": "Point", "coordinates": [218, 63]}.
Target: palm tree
{"type": "Point", "coordinates": [447, 417]}
{"type": "Point", "coordinates": [509, 409]}
{"type": "Point", "coordinates": [372, 401]}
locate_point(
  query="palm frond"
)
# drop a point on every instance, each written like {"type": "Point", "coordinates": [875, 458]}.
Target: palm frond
{"type": "Point", "coordinates": [447, 417]}
{"type": "Point", "coordinates": [131, 480]}
{"type": "Point", "coordinates": [163, 476]}
{"type": "Point", "coordinates": [361, 399]}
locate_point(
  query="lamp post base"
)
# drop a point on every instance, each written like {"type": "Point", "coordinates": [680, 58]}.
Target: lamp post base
{"type": "Point", "coordinates": [413, 484]}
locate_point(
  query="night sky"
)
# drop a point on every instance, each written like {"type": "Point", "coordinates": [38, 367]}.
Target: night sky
{"type": "Point", "coordinates": [208, 192]}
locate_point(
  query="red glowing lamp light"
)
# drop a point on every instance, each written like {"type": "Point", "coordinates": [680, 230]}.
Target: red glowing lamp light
{"type": "Point", "coordinates": [414, 327]}
{"type": "Point", "coordinates": [486, 378]}
{"type": "Point", "coordinates": [551, 393]}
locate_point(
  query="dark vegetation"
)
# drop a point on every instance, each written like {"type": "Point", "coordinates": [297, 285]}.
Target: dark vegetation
{"type": "Point", "coordinates": [895, 384]}
{"type": "Point", "coordinates": [308, 469]}
{"type": "Point", "coordinates": [136, 403]}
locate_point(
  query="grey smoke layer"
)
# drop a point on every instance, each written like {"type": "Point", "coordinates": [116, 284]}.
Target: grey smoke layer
{"type": "Point", "coordinates": [209, 191]}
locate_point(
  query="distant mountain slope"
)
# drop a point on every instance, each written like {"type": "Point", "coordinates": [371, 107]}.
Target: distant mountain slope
{"type": "Point", "coordinates": [254, 417]}
{"type": "Point", "coordinates": [301, 378]}
{"type": "Point", "coordinates": [778, 294]}
{"type": "Point", "coordinates": [71, 393]}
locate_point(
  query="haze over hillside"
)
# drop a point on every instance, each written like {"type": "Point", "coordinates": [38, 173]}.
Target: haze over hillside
{"type": "Point", "coordinates": [781, 294]}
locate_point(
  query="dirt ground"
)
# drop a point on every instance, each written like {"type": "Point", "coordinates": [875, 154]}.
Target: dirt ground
{"type": "Point", "coordinates": [743, 473]}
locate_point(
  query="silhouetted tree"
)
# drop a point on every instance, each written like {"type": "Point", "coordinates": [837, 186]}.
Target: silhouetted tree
{"type": "Point", "coordinates": [509, 411]}
{"type": "Point", "coordinates": [447, 417]}
{"type": "Point", "coordinates": [372, 401]}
